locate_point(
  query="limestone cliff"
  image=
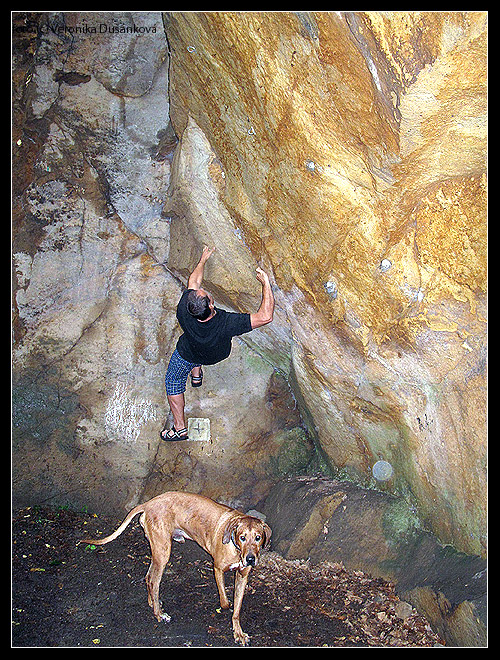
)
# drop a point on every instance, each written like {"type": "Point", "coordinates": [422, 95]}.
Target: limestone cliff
{"type": "Point", "coordinates": [345, 153]}
{"type": "Point", "coordinates": [94, 301]}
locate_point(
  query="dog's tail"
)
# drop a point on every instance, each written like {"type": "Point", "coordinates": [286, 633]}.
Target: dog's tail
{"type": "Point", "coordinates": [138, 509]}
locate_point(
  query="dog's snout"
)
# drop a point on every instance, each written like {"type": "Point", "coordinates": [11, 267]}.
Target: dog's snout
{"type": "Point", "coordinates": [251, 559]}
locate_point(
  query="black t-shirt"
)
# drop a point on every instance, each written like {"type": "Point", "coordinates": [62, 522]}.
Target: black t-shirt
{"type": "Point", "coordinates": [208, 342]}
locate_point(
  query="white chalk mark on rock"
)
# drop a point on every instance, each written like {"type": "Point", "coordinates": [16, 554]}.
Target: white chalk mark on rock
{"type": "Point", "coordinates": [126, 415]}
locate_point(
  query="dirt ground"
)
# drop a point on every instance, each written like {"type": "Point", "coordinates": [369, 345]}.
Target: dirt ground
{"type": "Point", "coordinates": [69, 595]}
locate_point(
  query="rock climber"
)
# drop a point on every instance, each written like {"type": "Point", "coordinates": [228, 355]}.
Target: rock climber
{"type": "Point", "coordinates": [206, 339]}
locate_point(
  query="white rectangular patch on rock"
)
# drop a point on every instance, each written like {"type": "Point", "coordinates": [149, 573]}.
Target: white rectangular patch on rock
{"type": "Point", "coordinates": [199, 429]}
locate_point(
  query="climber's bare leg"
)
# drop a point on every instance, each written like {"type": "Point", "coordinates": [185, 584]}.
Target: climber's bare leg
{"type": "Point", "coordinates": [176, 403]}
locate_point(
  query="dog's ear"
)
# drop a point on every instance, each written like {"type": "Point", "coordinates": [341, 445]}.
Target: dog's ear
{"type": "Point", "coordinates": [267, 533]}
{"type": "Point", "coordinates": [229, 530]}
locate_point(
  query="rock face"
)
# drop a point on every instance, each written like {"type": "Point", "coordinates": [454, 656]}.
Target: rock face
{"type": "Point", "coordinates": [345, 153]}
{"type": "Point", "coordinates": [94, 299]}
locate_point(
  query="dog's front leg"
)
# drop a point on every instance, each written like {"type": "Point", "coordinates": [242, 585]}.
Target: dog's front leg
{"type": "Point", "coordinates": [219, 578]}
{"type": "Point", "coordinates": [240, 582]}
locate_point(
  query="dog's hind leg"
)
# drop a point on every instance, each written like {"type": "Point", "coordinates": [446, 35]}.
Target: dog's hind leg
{"type": "Point", "coordinates": [160, 554]}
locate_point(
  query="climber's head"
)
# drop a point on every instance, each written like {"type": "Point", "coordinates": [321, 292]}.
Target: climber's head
{"type": "Point", "coordinates": [200, 304]}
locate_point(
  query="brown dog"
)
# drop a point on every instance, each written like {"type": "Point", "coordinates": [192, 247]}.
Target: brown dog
{"type": "Point", "coordinates": [233, 539]}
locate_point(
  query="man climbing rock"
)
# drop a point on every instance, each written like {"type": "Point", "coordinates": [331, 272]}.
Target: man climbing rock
{"type": "Point", "coordinates": [207, 336]}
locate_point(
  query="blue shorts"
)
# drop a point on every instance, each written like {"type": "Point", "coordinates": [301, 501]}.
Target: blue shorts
{"type": "Point", "coordinates": [177, 373]}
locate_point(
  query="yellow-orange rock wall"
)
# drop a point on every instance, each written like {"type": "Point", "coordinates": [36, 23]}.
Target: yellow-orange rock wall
{"type": "Point", "coordinates": [334, 141]}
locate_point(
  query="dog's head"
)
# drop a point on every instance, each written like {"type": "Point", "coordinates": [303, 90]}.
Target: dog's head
{"type": "Point", "coordinates": [249, 535]}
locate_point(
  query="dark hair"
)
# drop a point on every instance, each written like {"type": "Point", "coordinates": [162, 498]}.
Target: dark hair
{"type": "Point", "coordinates": [198, 306]}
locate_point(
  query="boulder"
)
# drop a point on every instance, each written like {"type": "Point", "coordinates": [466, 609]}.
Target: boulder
{"type": "Point", "coordinates": [94, 298]}
{"type": "Point", "coordinates": [346, 153]}
{"type": "Point", "coordinates": [320, 519]}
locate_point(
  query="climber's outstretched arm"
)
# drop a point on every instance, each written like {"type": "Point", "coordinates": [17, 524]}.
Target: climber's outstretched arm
{"type": "Point", "coordinates": [196, 277]}
{"type": "Point", "coordinates": [264, 315]}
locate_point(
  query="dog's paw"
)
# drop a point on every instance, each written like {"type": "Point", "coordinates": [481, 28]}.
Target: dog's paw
{"type": "Point", "coordinates": [163, 616]}
{"type": "Point", "coordinates": [241, 638]}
